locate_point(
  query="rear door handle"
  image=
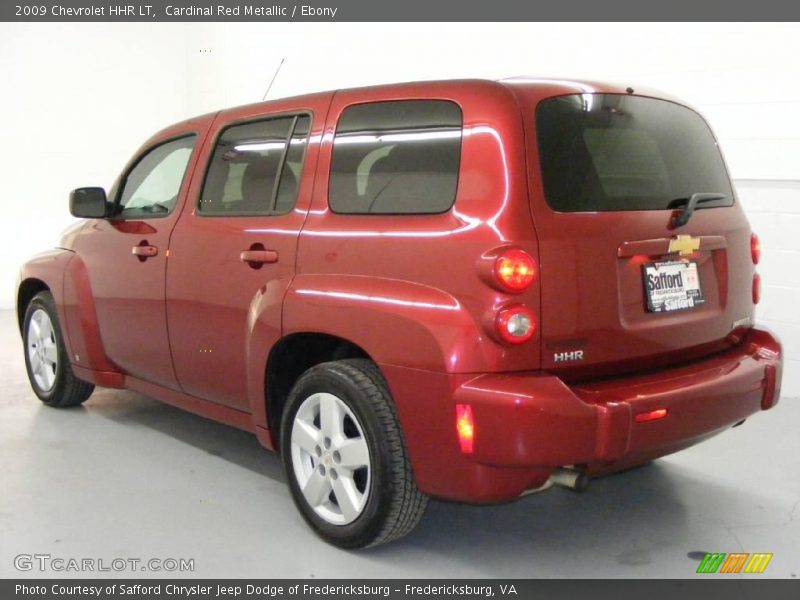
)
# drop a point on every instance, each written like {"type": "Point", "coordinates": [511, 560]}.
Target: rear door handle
{"type": "Point", "coordinates": [258, 257]}
{"type": "Point", "coordinates": [144, 251]}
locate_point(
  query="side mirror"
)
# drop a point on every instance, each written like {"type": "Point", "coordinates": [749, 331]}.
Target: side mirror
{"type": "Point", "coordinates": [88, 203]}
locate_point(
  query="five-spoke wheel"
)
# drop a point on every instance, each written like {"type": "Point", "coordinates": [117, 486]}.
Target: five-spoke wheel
{"type": "Point", "coordinates": [345, 456]}
{"type": "Point", "coordinates": [330, 458]}
{"type": "Point", "coordinates": [42, 350]}
{"type": "Point", "coordinates": [49, 370]}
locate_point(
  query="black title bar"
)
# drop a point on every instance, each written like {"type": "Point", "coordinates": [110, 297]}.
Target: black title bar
{"type": "Point", "coordinates": [705, 587]}
{"type": "Point", "coordinates": [399, 10]}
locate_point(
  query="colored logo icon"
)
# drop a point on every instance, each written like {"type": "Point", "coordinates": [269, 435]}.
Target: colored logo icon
{"type": "Point", "coordinates": [735, 562]}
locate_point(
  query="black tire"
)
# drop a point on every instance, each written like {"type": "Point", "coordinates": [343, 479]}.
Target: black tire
{"type": "Point", "coordinates": [66, 389]}
{"type": "Point", "coordinates": [394, 505]}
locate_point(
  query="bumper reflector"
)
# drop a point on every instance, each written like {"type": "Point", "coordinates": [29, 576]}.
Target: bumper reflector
{"type": "Point", "coordinates": [770, 377]}
{"type": "Point", "coordinates": [653, 415]}
{"type": "Point", "coordinates": [465, 427]}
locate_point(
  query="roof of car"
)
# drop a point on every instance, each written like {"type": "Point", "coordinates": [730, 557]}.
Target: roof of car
{"type": "Point", "coordinates": [531, 88]}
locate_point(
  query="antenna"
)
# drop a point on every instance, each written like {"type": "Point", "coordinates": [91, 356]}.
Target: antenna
{"type": "Point", "coordinates": [269, 87]}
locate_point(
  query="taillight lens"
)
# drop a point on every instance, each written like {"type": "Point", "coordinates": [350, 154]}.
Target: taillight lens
{"type": "Point", "coordinates": [515, 324]}
{"type": "Point", "coordinates": [515, 270]}
{"type": "Point", "coordinates": [755, 248]}
{"type": "Point", "coordinates": [756, 288]}
{"type": "Point", "coordinates": [465, 427]}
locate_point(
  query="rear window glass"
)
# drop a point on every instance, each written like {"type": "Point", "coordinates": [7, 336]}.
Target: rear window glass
{"type": "Point", "coordinates": [614, 152]}
{"type": "Point", "coordinates": [397, 157]}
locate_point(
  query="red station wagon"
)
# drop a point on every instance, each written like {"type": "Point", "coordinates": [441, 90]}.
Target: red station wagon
{"type": "Point", "coordinates": [464, 290]}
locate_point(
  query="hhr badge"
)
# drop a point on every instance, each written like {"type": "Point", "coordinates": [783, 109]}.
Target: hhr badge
{"type": "Point", "coordinates": [568, 356]}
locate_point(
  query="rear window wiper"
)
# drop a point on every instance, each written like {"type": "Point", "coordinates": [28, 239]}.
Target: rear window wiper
{"type": "Point", "coordinates": [683, 217]}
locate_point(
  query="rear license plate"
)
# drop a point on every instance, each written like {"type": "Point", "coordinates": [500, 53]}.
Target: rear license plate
{"type": "Point", "coordinates": [673, 285]}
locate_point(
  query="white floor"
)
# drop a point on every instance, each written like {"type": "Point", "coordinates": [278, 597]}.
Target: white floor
{"type": "Point", "coordinates": [128, 477]}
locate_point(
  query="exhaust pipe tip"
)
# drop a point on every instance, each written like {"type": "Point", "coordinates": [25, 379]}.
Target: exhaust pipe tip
{"type": "Point", "coordinates": [576, 480]}
{"type": "Point", "coordinates": [581, 483]}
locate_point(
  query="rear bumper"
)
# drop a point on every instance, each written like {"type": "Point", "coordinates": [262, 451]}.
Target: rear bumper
{"type": "Point", "coordinates": [527, 424]}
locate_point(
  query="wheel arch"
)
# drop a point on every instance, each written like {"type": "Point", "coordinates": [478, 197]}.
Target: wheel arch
{"type": "Point", "coordinates": [27, 289]}
{"type": "Point", "coordinates": [292, 356]}
{"type": "Point", "coordinates": [43, 272]}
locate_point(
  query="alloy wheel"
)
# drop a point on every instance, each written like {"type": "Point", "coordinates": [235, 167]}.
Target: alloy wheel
{"type": "Point", "coordinates": [42, 350]}
{"type": "Point", "coordinates": [331, 458]}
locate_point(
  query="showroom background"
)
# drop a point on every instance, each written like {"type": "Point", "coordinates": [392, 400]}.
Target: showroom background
{"type": "Point", "coordinates": [78, 100]}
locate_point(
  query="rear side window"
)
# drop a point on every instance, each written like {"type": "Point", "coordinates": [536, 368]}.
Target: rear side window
{"type": "Point", "coordinates": [398, 157]}
{"type": "Point", "coordinates": [614, 152]}
{"type": "Point", "coordinates": [255, 168]}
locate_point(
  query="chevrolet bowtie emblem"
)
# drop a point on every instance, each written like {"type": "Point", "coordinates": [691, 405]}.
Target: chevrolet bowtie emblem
{"type": "Point", "coordinates": [684, 245]}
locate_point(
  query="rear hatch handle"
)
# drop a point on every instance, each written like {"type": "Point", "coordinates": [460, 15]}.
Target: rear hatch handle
{"type": "Point", "coordinates": [682, 218]}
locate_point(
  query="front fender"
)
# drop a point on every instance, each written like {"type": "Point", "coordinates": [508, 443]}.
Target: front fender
{"type": "Point", "coordinates": [45, 269]}
{"type": "Point", "coordinates": [86, 352]}
{"type": "Point", "coordinates": [396, 322]}
{"type": "Point", "coordinates": [63, 274]}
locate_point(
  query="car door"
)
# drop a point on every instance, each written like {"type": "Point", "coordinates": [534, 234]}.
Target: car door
{"type": "Point", "coordinates": [233, 250]}
{"type": "Point", "coordinates": [126, 254]}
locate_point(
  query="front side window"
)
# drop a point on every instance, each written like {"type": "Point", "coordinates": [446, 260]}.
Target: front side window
{"type": "Point", "coordinates": [616, 152]}
{"type": "Point", "coordinates": [256, 168]}
{"type": "Point", "coordinates": [399, 157]}
{"type": "Point", "coordinates": [151, 188]}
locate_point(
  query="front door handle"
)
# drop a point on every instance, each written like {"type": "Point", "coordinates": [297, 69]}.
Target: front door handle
{"type": "Point", "coordinates": [144, 251]}
{"type": "Point", "coordinates": [258, 257]}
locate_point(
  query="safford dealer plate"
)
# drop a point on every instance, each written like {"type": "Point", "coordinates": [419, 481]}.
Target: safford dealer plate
{"type": "Point", "coordinates": [673, 285]}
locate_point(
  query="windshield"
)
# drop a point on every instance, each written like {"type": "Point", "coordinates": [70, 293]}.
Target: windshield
{"type": "Point", "coordinates": [616, 152]}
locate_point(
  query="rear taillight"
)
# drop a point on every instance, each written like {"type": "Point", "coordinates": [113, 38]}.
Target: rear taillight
{"type": "Point", "coordinates": [515, 324]}
{"type": "Point", "coordinates": [465, 427]}
{"type": "Point", "coordinates": [514, 270]}
{"type": "Point", "coordinates": [755, 248]}
{"type": "Point", "coordinates": [756, 288]}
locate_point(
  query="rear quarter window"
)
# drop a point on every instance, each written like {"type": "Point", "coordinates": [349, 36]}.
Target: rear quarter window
{"type": "Point", "coordinates": [614, 152]}
{"type": "Point", "coordinates": [398, 157]}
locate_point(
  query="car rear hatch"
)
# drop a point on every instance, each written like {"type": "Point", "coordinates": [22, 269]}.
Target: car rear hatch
{"type": "Point", "coordinates": [624, 285]}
